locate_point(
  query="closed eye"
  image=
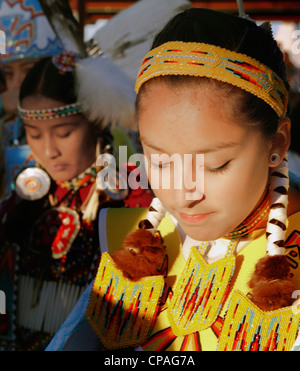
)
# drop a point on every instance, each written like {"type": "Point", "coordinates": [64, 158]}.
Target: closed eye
{"type": "Point", "coordinates": [219, 169]}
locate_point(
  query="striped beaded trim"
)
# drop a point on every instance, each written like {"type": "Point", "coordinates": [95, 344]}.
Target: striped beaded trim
{"type": "Point", "coordinates": [276, 226]}
{"type": "Point", "coordinates": [254, 222]}
{"type": "Point", "coordinates": [204, 60]}
{"type": "Point", "coordinates": [52, 113]}
{"type": "Point", "coordinates": [154, 216]}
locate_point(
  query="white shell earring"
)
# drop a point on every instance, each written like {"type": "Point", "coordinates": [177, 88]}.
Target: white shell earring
{"type": "Point", "coordinates": [275, 158]}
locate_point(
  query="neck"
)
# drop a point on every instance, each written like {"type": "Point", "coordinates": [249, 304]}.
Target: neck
{"type": "Point", "coordinates": [255, 221]}
{"type": "Point", "coordinates": [83, 179]}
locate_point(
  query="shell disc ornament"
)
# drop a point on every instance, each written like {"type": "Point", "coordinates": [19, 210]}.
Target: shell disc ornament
{"type": "Point", "coordinates": [32, 184]}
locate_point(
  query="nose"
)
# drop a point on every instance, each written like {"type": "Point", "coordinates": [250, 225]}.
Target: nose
{"type": "Point", "coordinates": [51, 149]}
{"type": "Point", "coordinates": [187, 198]}
{"type": "Point", "coordinates": [193, 177]}
{"type": "Point", "coordinates": [191, 190]}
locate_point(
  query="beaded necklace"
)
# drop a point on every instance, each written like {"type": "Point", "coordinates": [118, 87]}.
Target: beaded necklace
{"type": "Point", "coordinates": [82, 180]}
{"type": "Point", "coordinates": [253, 222]}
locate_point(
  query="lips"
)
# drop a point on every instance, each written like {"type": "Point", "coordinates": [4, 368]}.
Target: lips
{"type": "Point", "coordinates": [59, 167]}
{"type": "Point", "coordinates": [196, 218]}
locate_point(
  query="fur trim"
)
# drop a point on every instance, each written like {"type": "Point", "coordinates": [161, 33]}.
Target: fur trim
{"type": "Point", "coordinates": [271, 285]}
{"type": "Point", "coordinates": [141, 255]}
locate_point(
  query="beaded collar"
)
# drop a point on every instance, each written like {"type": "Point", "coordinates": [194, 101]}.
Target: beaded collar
{"type": "Point", "coordinates": [83, 179]}
{"type": "Point", "coordinates": [253, 222]}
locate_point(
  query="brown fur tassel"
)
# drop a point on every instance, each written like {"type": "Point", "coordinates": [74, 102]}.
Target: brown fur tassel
{"type": "Point", "coordinates": [142, 254]}
{"type": "Point", "coordinates": [271, 283]}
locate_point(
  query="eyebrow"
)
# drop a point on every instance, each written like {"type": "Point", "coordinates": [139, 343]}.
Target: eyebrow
{"type": "Point", "coordinates": [25, 63]}
{"type": "Point", "coordinates": [54, 126]}
{"type": "Point", "coordinates": [219, 146]}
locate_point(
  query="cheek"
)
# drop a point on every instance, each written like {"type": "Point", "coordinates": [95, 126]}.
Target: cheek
{"type": "Point", "coordinates": [35, 146]}
{"type": "Point", "coordinates": [81, 145]}
{"type": "Point", "coordinates": [167, 198]}
{"type": "Point", "coordinates": [242, 188]}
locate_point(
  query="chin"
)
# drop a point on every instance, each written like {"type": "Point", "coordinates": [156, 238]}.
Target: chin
{"type": "Point", "coordinates": [62, 176]}
{"type": "Point", "coordinates": [199, 235]}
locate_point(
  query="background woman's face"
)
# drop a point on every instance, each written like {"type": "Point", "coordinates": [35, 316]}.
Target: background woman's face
{"type": "Point", "coordinates": [64, 146]}
{"type": "Point", "coordinates": [200, 120]}
{"type": "Point", "coordinates": [15, 72]}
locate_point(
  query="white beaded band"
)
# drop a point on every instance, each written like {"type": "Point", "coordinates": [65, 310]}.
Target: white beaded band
{"type": "Point", "coordinates": [52, 113]}
{"type": "Point", "coordinates": [154, 216]}
{"type": "Point", "coordinates": [276, 226]}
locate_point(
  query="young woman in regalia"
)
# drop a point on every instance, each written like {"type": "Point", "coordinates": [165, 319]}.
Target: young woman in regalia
{"type": "Point", "coordinates": [49, 231]}
{"type": "Point", "coordinates": [212, 87]}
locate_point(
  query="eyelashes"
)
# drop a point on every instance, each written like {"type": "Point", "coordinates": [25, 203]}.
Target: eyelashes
{"type": "Point", "coordinates": [218, 170]}
{"type": "Point", "coordinates": [61, 136]}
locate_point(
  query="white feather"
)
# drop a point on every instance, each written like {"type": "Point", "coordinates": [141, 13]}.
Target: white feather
{"type": "Point", "coordinates": [105, 92]}
{"type": "Point", "coordinates": [128, 36]}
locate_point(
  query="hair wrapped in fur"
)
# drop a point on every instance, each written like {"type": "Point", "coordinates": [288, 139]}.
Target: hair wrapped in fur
{"type": "Point", "coordinates": [142, 254]}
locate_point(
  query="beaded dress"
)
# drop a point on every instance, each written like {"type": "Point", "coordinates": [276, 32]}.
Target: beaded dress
{"type": "Point", "coordinates": [48, 256]}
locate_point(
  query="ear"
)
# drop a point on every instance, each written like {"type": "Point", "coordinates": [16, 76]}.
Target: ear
{"type": "Point", "coordinates": [281, 139]}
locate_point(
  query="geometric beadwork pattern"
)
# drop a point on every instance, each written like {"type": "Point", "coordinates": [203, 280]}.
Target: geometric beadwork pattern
{"type": "Point", "coordinates": [123, 312]}
{"type": "Point", "coordinates": [204, 60]}
{"type": "Point", "coordinates": [199, 293]}
{"type": "Point", "coordinates": [247, 328]}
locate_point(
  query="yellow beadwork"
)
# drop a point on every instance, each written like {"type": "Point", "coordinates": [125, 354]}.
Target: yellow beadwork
{"type": "Point", "coordinates": [122, 312]}
{"type": "Point", "coordinates": [248, 328]}
{"type": "Point", "coordinates": [199, 293]}
{"type": "Point", "coordinates": [203, 60]}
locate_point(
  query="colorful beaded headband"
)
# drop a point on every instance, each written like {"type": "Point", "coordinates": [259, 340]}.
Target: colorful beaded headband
{"type": "Point", "coordinates": [203, 60]}
{"type": "Point", "coordinates": [52, 113]}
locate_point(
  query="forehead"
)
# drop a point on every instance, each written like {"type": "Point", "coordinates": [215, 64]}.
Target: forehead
{"type": "Point", "coordinates": [19, 64]}
{"type": "Point", "coordinates": [40, 102]}
{"type": "Point", "coordinates": [44, 125]}
{"type": "Point", "coordinates": [195, 94]}
{"type": "Point", "coordinates": [188, 119]}
{"type": "Point", "coordinates": [181, 104]}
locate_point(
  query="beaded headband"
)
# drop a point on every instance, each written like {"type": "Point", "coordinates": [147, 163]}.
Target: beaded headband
{"type": "Point", "coordinates": [52, 113]}
{"type": "Point", "coordinates": [204, 60]}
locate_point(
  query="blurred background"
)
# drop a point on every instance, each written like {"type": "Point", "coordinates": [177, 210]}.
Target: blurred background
{"type": "Point", "coordinates": [284, 15]}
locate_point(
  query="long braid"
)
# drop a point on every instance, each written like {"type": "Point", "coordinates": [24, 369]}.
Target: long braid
{"type": "Point", "coordinates": [271, 285]}
{"type": "Point", "coordinates": [154, 216]}
{"type": "Point", "coordinates": [276, 227]}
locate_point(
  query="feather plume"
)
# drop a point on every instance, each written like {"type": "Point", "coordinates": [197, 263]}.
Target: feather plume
{"type": "Point", "coordinates": [128, 36]}
{"type": "Point", "coordinates": [105, 92]}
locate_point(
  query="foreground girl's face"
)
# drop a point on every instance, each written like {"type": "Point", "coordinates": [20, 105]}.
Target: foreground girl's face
{"type": "Point", "coordinates": [193, 120]}
{"type": "Point", "coordinates": [64, 146]}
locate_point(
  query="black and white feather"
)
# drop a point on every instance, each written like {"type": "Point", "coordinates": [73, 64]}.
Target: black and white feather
{"type": "Point", "coordinates": [64, 24]}
{"type": "Point", "coordinates": [128, 36]}
{"type": "Point", "coordinates": [105, 82]}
